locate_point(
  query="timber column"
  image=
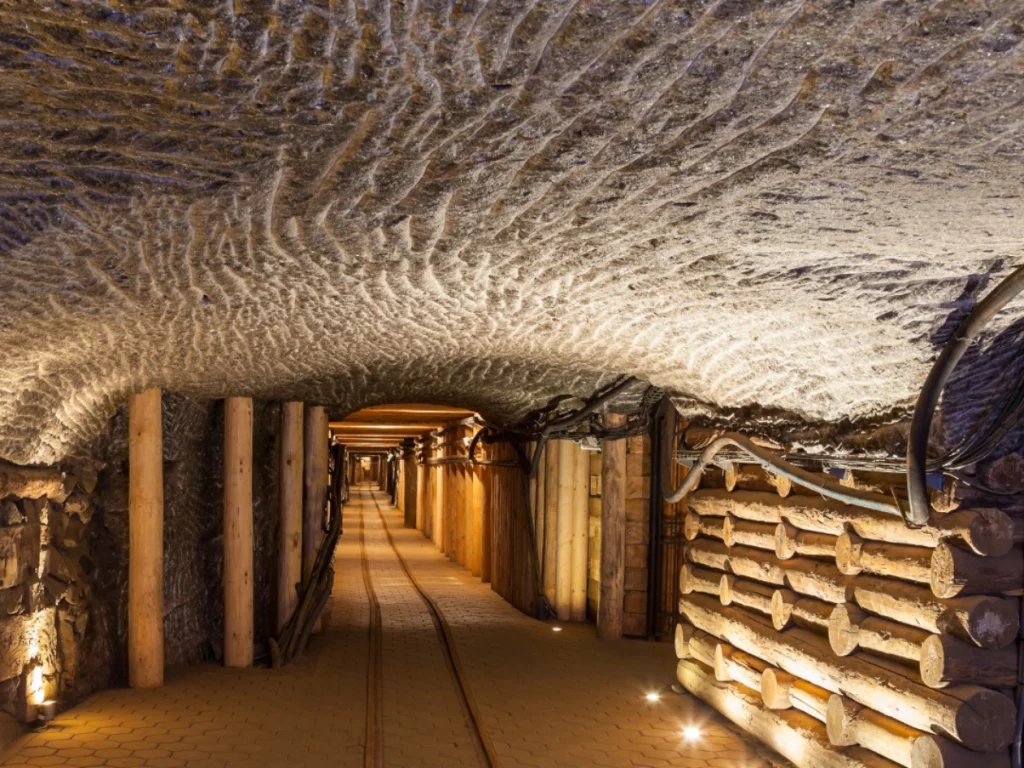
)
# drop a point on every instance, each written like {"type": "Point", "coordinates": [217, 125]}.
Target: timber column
{"type": "Point", "coordinates": [145, 541]}
{"type": "Point", "coordinates": [613, 533]}
{"type": "Point", "coordinates": [238, 580]}
{"type": "Point", "coordinates": [289, 565]}
{"type": "Point", "coordinates": [315, 480]}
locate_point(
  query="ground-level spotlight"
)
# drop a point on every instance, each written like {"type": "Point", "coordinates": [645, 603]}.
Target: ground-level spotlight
{"type": "Point", "coordinates": [690, 733]}
{"type": "Point", "coordinates": [653, 697]}
{"type": "Point", "coordinates": [556, 629]}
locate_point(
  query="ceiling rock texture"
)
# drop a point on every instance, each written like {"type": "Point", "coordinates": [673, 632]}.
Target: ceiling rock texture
{"type": "Point", "coordinates": [773, 205]}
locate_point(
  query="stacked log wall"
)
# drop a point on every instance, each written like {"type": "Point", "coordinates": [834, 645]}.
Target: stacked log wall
{"type": "Point", "coordinates": [839, 636]}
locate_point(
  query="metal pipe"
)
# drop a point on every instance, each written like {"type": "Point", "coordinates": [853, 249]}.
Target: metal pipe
{"type": "Point", "coordinates": [772, 463]}
{"type": "Point", "coordinates": [920, 425]}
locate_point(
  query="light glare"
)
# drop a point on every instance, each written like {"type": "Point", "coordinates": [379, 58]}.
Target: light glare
{"type": "Point", "coordinates": [691, 733]}
{"type": "Point", "coordinates": [653, 696]}
{"type": "Point", "coordinates": [556, 629]}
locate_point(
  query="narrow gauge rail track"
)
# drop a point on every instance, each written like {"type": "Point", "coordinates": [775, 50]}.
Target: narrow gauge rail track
{"type": "Point", "coordinates": [373, 756]}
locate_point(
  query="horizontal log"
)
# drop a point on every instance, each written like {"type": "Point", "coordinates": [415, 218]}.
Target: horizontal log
{"type": "Point", "coordinates": [681, 639]}
{"type": "Point", "coordinates": [985, 621]}
{"type": "Point", "coordinates": [743, 532]}
{"type": "Point", "coordinates": [708, 553]}
{"type": "Point", "coordinates": [781, 690]}
{"type": "Point", "coordinates": [818, 579]}
{"type": "Point", "coordinates": [848, 723]}
{"type": "Point", "coordinates": [943, 500]}
{"type": "Point", "coordinates": [695, 579]}
{"type": "Point", "coordinates": [851, 724]}
{"type": "Point", "coordinates": [814, 578]}
{"type": "Point", "coordinates": [948, 661]}
{"type": "Point", "coordinates": [749, 594]}
{"type": "Point", "coordinates": [32, 482]}
{"type": "Point", "coordinates": [756, 564]}
{"type": "Point", "coordinates": [796, 736]}
{"type": "Point", "coordinates": [747, 562]}
{"type": "Point", "coordinates": [702, 647]}
{"type": "Point", "coordinates": [790, 608]}
{"type": "Point", "coordinates": [732, 665]}
{"type": "Point", "coordinates": [791, 541]}
{"type": "Point", "coordinates": [854, 555]}
{"type": "Point", "coordinates": [979, 718]}
{"type": "Point", "coordinates": [956, 572]}
{"type": "Point", "coordinates": [753, 477]}
{"type": "Point", "coordinates": [936, 752]}
{"type": "Point", "coordinates": [695, 525]}
{"type": "Point", "coordinates": [984, 531]}
{"type": "Point", "coordinates": [850, 628]}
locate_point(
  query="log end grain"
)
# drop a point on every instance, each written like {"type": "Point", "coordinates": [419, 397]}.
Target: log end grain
{"type": "Point", "coordinates": [729, 531]}
{"type": "Point", "coordinates": [726, 588]}
{"type": "Point", "coordinates": [992, 622]}
{"type": "Point", "coordinates": [691, 526]}
{"type": "Point", "coordinates": [839, 719]}
{"type": "Point", "coordinates": [775, 688]}
{"type": "Point", "coordinates": [848, 552]}
{"type": "Point", "coordinates": [783, 601]}
{"type": "Point", "coordinates": [986, 721]}
{"type": "Point", "coordinates": [990, 532]}
{"type": "Point", "coordinates": [682, 640]}
{"type": "Point", "coordinates": [937, 752]}
{"type": "Point", "coordinates": [785, 541]}
{"type": "Point", "coordinates": [844, 628]}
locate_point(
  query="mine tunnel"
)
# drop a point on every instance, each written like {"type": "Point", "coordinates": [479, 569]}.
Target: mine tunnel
{"type": "Point", "coordinates": [618, 383]}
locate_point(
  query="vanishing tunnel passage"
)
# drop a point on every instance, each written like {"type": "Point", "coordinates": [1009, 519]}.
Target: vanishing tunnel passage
{"type": "Point", "coordinates": [492, 382]}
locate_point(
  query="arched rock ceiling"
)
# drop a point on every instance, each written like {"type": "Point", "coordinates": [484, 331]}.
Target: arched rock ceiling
{"type": "Point", "coordinates": [774, 204]}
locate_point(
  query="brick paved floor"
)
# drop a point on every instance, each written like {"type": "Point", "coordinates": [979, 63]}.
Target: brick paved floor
{"type": "Point", "coordinates": [548, 699]}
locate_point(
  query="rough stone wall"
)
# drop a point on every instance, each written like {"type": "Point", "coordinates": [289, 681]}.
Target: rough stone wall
{"type": "Point", "coordinates": [774, 206]}
{"type": "Point", "coordinates": [63, 562]}
{"type": "Point", "coordinates": [55, 642]}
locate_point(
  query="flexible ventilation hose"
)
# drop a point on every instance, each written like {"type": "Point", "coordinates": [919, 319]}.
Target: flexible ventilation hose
{"type": "Point", "coordinates": [823, 485]}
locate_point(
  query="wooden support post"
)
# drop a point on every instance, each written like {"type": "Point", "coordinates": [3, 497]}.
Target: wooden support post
{"type": "Point", "coordinates": [613, 533]}
{"type": "Point", "coordinates": [580, 539]}
{"type": "Point", "coordinates": [421, 497]}
{"type": "Point", "coordinates": [550, 559]}
{"type": "Point", "coordinates": [477, 517]}
{"type": "Point", "coordinates": [538, 494]}
{"type": "Point", "coordinates": [486, 516]}
{"type": "Point", "coordinates": [289, 566]}
{"type": "Point", "coordinates": [146, 541]}
{"type": "Point", "coordinates": [238, 577]}
{"type": "Point", "coordinates": [566, 494]}
{"type": "Point", "coordinates": [315, 485]}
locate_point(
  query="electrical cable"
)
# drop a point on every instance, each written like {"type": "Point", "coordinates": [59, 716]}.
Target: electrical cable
{"type": "Point", "coordinates": [928, 400]}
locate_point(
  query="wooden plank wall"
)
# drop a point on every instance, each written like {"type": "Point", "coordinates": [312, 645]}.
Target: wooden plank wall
{"type": "Point", "coordinates": [842, 638]}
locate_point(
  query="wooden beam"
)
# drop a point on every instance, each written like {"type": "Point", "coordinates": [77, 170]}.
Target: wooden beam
{"type": "Point", "coordinates": [314, 469]}
{"type": "Point", "coordinates": [613, 533]}
{"type": "Point", "coordinates": [580, 534]}
{"type": "Point", "coordinates": [238, 524]}
{"type": "Point", "coordinates": [289, 567]}
{"type": "Point", "coordinates": [145, 541]}
{"type": "Point", "coordinates": [566, 493]}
